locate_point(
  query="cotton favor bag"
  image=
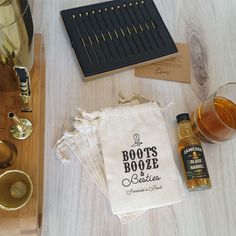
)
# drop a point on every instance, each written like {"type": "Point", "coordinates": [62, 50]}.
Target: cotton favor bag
{"type": "Point", "coordinates": [139, 164]}
{"type": "Point", "coordinates": [84, 144]}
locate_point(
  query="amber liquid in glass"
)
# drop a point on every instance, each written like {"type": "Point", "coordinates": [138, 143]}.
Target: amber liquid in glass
{"type": "Point", "coordinates": [188, 140]}
{"type": "Point", "coordinates": [216, 124]}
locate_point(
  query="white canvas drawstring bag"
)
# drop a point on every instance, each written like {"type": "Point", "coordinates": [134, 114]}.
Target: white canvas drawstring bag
{"type": "Point", "coordinates": [84, 144]}
{"type": "Point", "coordinates": [139, 164]}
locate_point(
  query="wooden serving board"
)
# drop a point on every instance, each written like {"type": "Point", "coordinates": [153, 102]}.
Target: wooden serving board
{"type": "Point", "coordinates": [27, 221]}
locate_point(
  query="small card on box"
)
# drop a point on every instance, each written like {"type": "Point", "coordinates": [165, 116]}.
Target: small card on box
{"type": "Point", "coordinates": [175, 69]}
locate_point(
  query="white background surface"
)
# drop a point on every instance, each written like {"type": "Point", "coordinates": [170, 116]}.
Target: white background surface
{"type": "Point", "coordinates": [73, 204]}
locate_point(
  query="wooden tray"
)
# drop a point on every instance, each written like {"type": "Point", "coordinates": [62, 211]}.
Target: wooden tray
{"type": "Point", "coordinates": [27, 221]}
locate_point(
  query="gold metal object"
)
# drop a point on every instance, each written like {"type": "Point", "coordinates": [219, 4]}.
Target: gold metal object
{"type": "Point", "coordinates": [16, 189]}
{"type": "Point", "coordinates": [153, 25]}
{"type": "Point", "coordinates": [8, 154]}
{"type": "Point", "coordinates": [25, 90]}
{"type": "Point", "coordinates": [96, 37]}
{"type": "Point", "coordinates": [122, 31]}
{"type": "Point", "coordinates": [9, 53]}
{"type": "Point", "coordinates": [103, 37]}
{"type": "Point", "coordinates": [140, 26]}
{"type": "Point", "coordinates": [26, 103]}
{"type": "Point", "coordinates": [128, 30]}
{"type": "Point", "coordinates": [135, 30]}
{"type": "Point", "coordinates": [22, 129]}
{"type": "Point", "coordinates": [147, 26]}
{"type": "Point", "coordinates": [116, 33]}
{"type": "Point", "coordinates": [16, 41]}
{"type": "Point", "coordinates": [90, 40]}
{"type": "Point", "coordinates": [109, 35]}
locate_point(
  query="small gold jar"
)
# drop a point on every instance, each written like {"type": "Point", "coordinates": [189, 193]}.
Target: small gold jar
{"type": "Point", "coordinates": [16, 189]}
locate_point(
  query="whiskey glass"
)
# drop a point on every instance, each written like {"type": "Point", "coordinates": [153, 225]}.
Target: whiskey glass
{"type": "Point", "coordinates": [16, 41]}
{"type": "Point", "coordinates": [215, 119]}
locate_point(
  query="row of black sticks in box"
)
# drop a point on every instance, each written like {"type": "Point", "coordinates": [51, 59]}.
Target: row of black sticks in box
{"type": "Point", "coordinates": [117, 32]}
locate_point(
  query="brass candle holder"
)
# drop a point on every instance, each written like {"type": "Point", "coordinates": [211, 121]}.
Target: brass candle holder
{"type": "Point", "coordinates": [22, 129]}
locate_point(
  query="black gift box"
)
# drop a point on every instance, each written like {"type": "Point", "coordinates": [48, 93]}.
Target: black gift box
{"type": "Point", "coordinates": [114, 35]}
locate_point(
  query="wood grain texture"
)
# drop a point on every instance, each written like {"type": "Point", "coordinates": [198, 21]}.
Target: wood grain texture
{"type": "Point", "coordinates": [73, 204]}
{"type": "Point", "coordinates": [30, 155]}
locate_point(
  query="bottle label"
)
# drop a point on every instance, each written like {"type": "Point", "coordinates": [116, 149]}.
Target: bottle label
{"type": "Point", "coordinates": [194, 162]}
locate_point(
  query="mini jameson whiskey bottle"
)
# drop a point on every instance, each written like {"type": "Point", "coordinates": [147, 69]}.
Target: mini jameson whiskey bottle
{"type": "Point", "coordinates": [192, 156]}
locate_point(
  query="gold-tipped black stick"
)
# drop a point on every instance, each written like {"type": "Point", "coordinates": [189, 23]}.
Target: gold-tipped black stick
{"type": "Point", "coordinates": [90, 40]}
{"type": "Point", "coordinates": [82, 39]}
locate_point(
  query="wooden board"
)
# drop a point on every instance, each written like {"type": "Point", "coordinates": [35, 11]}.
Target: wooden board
{"type": "Point", "coordinates": [27, 220]}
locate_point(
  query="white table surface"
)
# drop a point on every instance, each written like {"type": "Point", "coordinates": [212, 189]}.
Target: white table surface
{"type": "Point", "coordinates": [73, 204]}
